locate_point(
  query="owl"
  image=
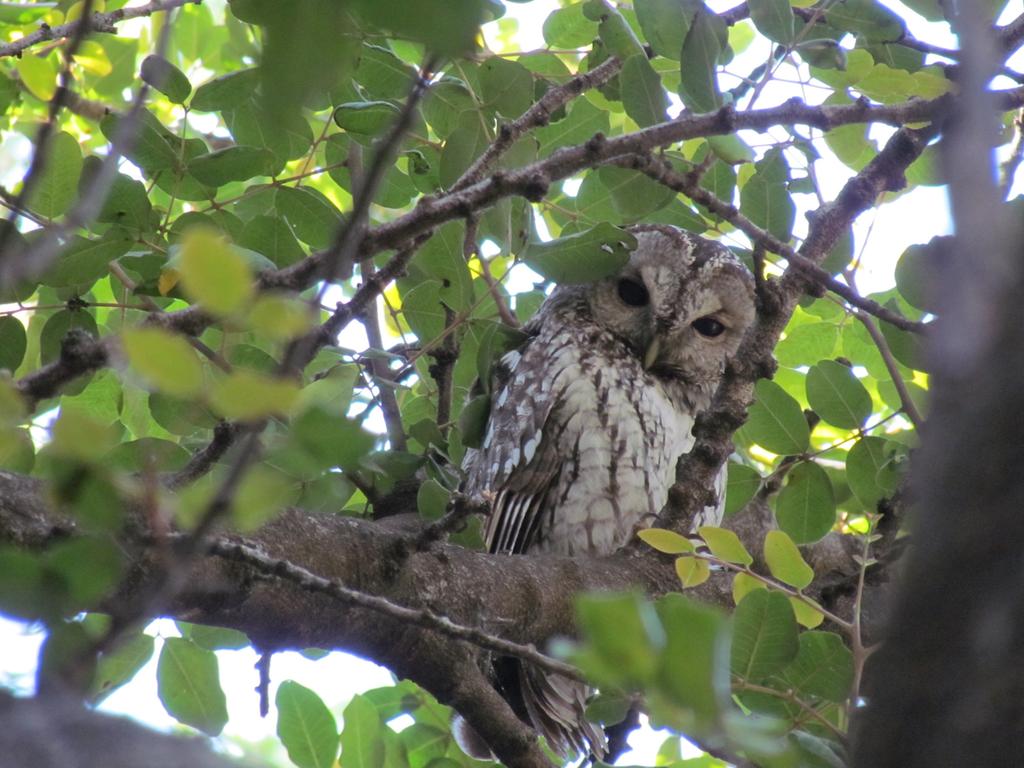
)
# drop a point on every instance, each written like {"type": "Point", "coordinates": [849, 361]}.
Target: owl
{"type": "Point", "coordinates": [588, 418]}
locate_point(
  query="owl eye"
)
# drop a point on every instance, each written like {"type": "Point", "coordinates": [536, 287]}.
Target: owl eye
{"type": "Point", "coordinates": [708, 326]}
{"type": "Point", "coordinates": [633, 292]}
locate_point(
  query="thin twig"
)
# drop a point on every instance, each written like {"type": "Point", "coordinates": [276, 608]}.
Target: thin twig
{"type": "Point", "coordinates": [42, 142]}
{"type": "Point", "coordinates": [460, 507]}
{"type": "Point", "coordinates": [664, 173]}
{"type": "Point", "coordinates": [380, 370]}
{"type": "Point", "coordinates": [99, 22]}
{"type": "Point", "coordinates": [35, 259]}
{"type": "Point", "coordinates": [203, 460]}
{"type": "Point", "coordinates": [906, 401]}
{"type": "Point", "coordinates": [536, 116]}
{"type": "Point", "coordinates": [792, 698]}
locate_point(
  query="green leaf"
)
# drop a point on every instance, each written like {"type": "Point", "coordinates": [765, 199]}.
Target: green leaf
{"type": "Point", "coordinates": [693, 666]}
{"type": "Point", "coordinates": [867, 19]}
{"type": "Point", "coordinates": [57, 187]}
{"type": "Point", "coordinates": [642, 93]}
{"type": "Point", "coordinates": [698, 62]}
{"type": "Point", "coordinates": [151, 150]}
{"type": "Point", "coordinates": [382, 74]}
{"type": "Point", "coordinates": [117, 667]}
{"type": "Point", "coordinates": [88, 567]}
{"type": "Point", "coordinates": [582, 122]}
{"type": "Point", "coordinates": [823, 667]}
{"type": "Point", "coordinates": [247, 395]}
{"type": "Point", "coordinates": [84, 262]}
{"type": "Point", "coordinates": [806, 344]}
{"type": "Point", "coordinates": [776, 421]}
{"type": "Point", "coordinates": [507, 86]}
{"type": "Point", "coordinates": [127, 202]}
{"type": "Point", "coordinates": [725, 545]}
{"type": "Point", "coordinates": [333, 439]}
{"type": "Point", "coordinates": [872, 469]}
{"type": "Point", "coordinates": [568, 27]}
{"type": "Point", "coordinates": [916, 273]}
{"type": "Point", "coordinates": [764, 635]}
{"type": "Point", "coordinates": [447, 27]}
{"type": "Point", "coordinates": [188, 684]}
{"type": "Point", "coordinates": [669, 542]}
{"type": "Point", "coordinates": [13, 343]}
{"type": "Point", "coordinates": [633, 194]}
{"type": "Point", "coordinates": [166, 78]}
{"type": "Point", "coordinates": [806, 508]}
{"type": "Point", "coordinates": [305, 726]}
{"type": "Point", "coordinates": [423, 310]}
{"type": "Point", "coordinates": [425, 744]}
{"type": "Point", "coordinates": [441, 258]}
{"type": "Point", "coordinates": [225, 92]}
{"type": "Point", "coordinates": [164, 359]}
{"type": "Point", "coordinates": [742, 482]}
{"type": "Point", "coordinates": [17, 451]}
{"type": "Point", "coordinates": [785, 562]}
{"type": "Point", "coordinates": [464, 145]}
{"type": "Point", "coordinates": [18, 14]}
{"type": "Point", "coordinates": [836, 394]}
{"type": "Point", "coordinates": [774, 19]}
{"type": "Point", "coordinates": [731, 149]}
{"type": "Point", "coordinates": [362, 742]}
{"type": "Point", "coordinates": [263, 492]}
{"type": "Point", "coordinates": [665, 23]}
{"type": "Point", "coordinates": [213, 273]}
{"type": "Point", "coordinates": [473, 421]}
{"type": "Point", "coordinates": [312, 217]}
{"type": "Point", "coordinates": [766, 201]}
{"type": "Point", "coordinates": [273, 238]}
{"type": "Point", "coordinates": [214, 638]}
{"type": "Point", "coordinates": [444, 104]}
{"type": "Point", "coordinates": [39, 75]}
{"type": "Point", "coordinates": [621, 633]}
{"type": "Point", "coordinates": [906, 347]}
{"type": "Point", "coordinates": [585, 257]}
{"type": "Point", "coordinates": [369, 118]}
{"type": "Point", "coordinates": [231, 164]}
{"type": "Point", "coordinates": [616, 34]}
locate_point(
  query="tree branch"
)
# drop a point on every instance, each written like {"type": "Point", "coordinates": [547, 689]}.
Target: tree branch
{"type": "Point", "coordinates": [99, 22]}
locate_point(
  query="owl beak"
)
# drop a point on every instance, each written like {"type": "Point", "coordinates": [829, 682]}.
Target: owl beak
{"type": "Point", "coordinates": [653, 350]}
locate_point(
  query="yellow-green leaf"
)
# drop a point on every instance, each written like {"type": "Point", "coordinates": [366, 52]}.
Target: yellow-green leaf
{"type": "Point", "coordinates": [39, 74]}
{"type": "Point", "coordinates": [280, 317]}
{"type": "Point", "coordinates": [165, 360]}
{"type": "Point", "coordinates": [212, 272]}
{"type": "Point", "coordinates": [743, 585]}
{"type": "Point", "coordinates": [785, 562]}
{"type": "Point", "coordinates": [669, 542]}
{"type": "Point", "coordinates": [247, 395]}
{"type": "Point", "coordinates": [725, 545]}
{"type": "Point", "coordinates": [806, 614]}
{"type": "Point", "coordinates": [692, 571]}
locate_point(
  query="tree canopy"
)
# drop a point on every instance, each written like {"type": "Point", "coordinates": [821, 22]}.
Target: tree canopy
{"type": "Point", "coordinates": [255, 255]}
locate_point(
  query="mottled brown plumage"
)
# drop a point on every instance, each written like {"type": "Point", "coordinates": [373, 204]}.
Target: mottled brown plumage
{"type": "Point", "coordinates": [589, 416]}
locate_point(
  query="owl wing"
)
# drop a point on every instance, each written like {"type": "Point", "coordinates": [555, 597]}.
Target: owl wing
{"type": "Point", "coordinates": [519, 461]}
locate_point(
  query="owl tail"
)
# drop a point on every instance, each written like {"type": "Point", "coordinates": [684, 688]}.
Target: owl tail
{"type": "Point", "coordinates": [556, 706]}
{"type": "Point", "coordinates": [552, 704]}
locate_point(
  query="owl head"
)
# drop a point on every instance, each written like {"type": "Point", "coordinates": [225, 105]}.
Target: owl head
{"type": "Point", "coordinates": [681, 304]}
